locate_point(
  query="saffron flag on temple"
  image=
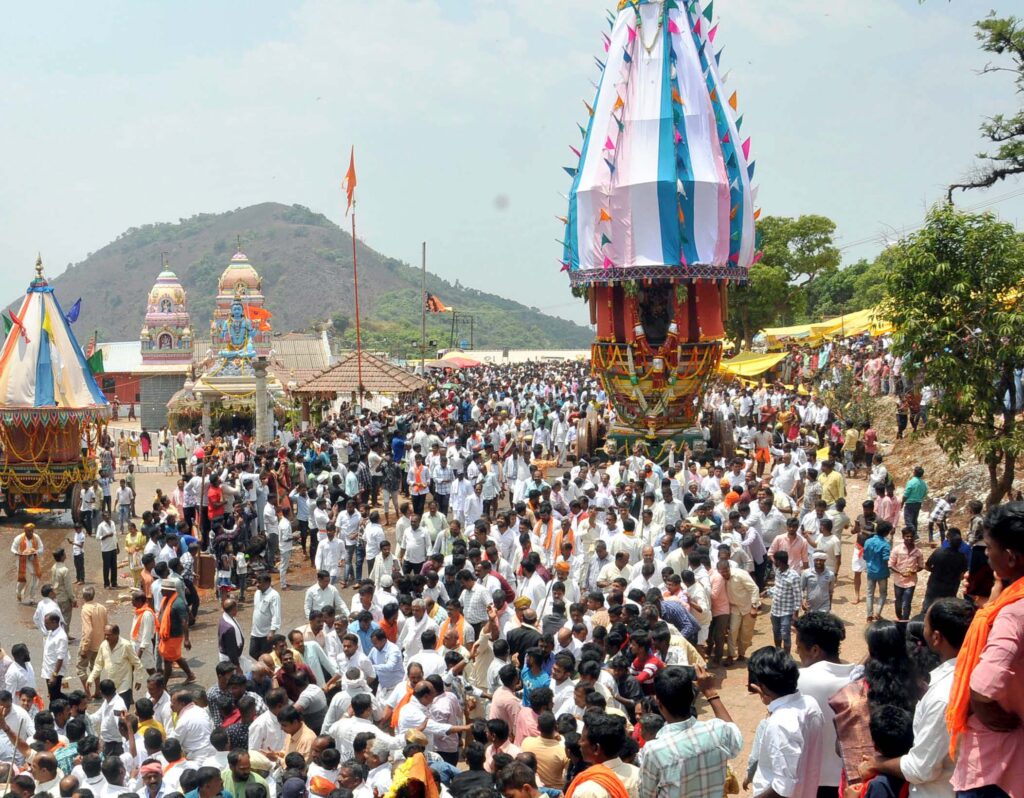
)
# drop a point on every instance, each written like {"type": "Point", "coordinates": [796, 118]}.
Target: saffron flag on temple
{"type": "Point", "coordinates": [260, 317]}
{"type": "Point", "coordinates": [349, 183]}
{"type": "Point", "coordinates": [435, 305]}
{"type": "Point", "coordinates": [90, 347]}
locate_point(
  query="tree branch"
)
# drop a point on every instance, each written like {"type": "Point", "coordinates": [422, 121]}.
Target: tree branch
{"type": "Point", "coordinates": [987, 178]}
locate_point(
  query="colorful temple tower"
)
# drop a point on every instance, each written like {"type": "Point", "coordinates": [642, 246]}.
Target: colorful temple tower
{"type": "Point", "coordinates": [167, 331]}
{"type": "Point", "coordinates": [240, 282]}
{"type": "Point", "coordinates": [167, 346]}
{"type": "Point", "coordinates": [661, 215]}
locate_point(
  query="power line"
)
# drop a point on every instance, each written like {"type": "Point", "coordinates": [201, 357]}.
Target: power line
{"type": "Point", "coordinates": [880, 238]}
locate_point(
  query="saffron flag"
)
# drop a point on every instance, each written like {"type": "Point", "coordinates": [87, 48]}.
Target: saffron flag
{"type": "Point", "coordinates": [259, 317]}
{"type": "Point", "coordinates": [90, 347]}
{"type": "Point", "coordinates": [72, 315]}
{"type": "Point", "coordinates": [349, 183]}
{"type": "Point", "coordinates": [435, 305]}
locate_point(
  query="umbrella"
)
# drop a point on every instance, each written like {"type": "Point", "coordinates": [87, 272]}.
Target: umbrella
{"type": "Point", "coordinates": [453, 360]}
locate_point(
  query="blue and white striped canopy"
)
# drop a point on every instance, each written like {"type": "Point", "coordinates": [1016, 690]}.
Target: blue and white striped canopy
{"type": "Point", "coordinates": [663, 186]}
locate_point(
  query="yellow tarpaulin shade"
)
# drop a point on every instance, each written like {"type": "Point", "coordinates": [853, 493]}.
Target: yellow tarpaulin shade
{"type": "Point", "coordinates": [750, 364]}
{"type": "Point", "coordinates": [845, 326]}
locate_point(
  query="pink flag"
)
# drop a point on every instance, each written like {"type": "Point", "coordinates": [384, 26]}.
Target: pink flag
{"type": "Point", "coordinates": [711, 34]}
{"type": "Point", "coordinates": [677, 135]}
{"type": "Point", "coordinates": [696, 27]}
{"type": "Point", "coordinates": [565, 265]}
{"type": "Point", "coordinates": [757, 257]}
{"type": "Point", "coordinates": [607, 43]}
{"type": "Point", "coordinates": [608, 262]}
{"type": "Point", "coordinates": [682, 258]}
{"type": "Point", "coordinates": [746, 148]}
{"type": "Point", "coordinates": [608, 144]}
{"type": "Point", "coordinates": [726, 139]}
{"type": "Point", "coordinates": [577, 152]}
{"type": "Point", "coordinates": [632, 34]}
{"type": "Point", "coordinates": [673, 28]}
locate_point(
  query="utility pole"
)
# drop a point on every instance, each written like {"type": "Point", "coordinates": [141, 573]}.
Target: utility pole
{"type": "Point", "coordinates": [423, 313]}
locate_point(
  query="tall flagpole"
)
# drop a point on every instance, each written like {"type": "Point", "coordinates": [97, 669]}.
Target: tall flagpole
{"type": "Point", "coordinates": [355, 283]}
{"type": "Point", "coordinates": [349, 185]}
{"type": "Point", "coordinates": [423, 315]}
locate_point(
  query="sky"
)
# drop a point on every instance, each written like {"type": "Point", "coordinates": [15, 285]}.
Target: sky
{"type": "Point", "coordinates": [118, 113]}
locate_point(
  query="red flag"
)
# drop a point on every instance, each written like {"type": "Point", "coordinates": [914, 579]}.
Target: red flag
{"type": "Point", "coordinates": [349, 183]}
{"type": "Point", "coordinates": [21, 327]}
{"type": "Point", "coordinates": [90, 347]}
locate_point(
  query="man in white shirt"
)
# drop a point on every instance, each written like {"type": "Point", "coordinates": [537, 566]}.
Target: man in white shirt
{"type": "Point", "coordinates": [330, 554]}
{"type": "Point", "coordinates": [789, 757]}
{"type": "Point", "coordinates": [429, 659]}
{"type": "Point", "coordinates": [323, 594]}
{"type": "Point", "coordinates": [412, 550]}
{"type": "Point", "coordinates": [46, 605]}
{"type": "Point", "coordinates": [266, 616]}
{"type": "Point", "coordinates": [346, 728]}
{"type": "Point", "coordinates": [352, 656]}
{"type": "Point", "coordinates": [192, 728]}
{"type": "Point", "coordinates": [818, 638]}
{"type": "Point", "coordinates": [55, 653]}
{"type": "Point", "coordinates": [409, 638]}
{"type": "Point", "coordinates": [107, 534]}
{"type": "Point", "coordinates": [475, 599]}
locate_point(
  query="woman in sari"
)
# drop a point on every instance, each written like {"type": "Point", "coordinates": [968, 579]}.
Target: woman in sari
{"type": "Point", "coordinates": [888, 678]}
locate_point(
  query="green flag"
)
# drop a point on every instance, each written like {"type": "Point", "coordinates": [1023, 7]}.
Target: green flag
{"type": "Point", "coordinates": [96, 362]}
{"type": "Point", "coordinates": [8, 325]}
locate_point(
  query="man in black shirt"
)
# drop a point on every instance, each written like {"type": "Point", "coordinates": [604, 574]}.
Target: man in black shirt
{"type": "Point", "coordinates": [476, 778]}
{"type": "Point", "coordinates": [947, 567]}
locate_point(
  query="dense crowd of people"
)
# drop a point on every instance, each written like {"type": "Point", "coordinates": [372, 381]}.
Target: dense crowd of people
{"type": "Point", "coordinates": [523, 618]}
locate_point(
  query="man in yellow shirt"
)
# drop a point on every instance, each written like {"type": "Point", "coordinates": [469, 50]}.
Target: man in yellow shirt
{"type": "Point", "coordinates": [833, 486]}
{"type": "Point", "coordinates": [116, 660]}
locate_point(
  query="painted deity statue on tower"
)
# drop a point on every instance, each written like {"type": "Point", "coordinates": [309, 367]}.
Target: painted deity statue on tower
{"type": "Point", "coordinates": [237, 332]}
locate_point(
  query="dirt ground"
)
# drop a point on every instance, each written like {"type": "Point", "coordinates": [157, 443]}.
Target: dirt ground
{"type": "Point", "coordinates": [745, 708]}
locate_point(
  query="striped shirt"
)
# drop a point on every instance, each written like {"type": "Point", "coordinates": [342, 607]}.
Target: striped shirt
{"type": "Point", "coordinates": [689, 759]}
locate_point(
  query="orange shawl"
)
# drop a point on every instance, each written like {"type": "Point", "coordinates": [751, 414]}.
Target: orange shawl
{"type": "Point", "coordinates": [605, 778]}
{"type": "Point", "coordinates": [970, 653]}
{"type": "Point", "coordinates": [23, 557]}
{"type": "Point", "coordinates": [550, 534]}
{"type": "Point", "coordinates": [137, 623]}
{"type": "Point", "coordinates": [460, 628]}
{"type": "Point", "coordinates": [398, 707]}
{"type": "Point", "coordinates": [163, 629]}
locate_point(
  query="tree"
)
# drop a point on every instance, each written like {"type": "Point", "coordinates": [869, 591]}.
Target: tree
{"type": "Point", "coordinates": [952, 295]}
{"type": "Point", "coordinates": [804, 247]}
{"type": "Point", "coordinates": [855, 287]}
{"type": "Point", "coordinates": [759, 303]}
{"type": "Point", "coordinates": [1002, 36]}
{"type": "Point", "coordinates": [797, 253]}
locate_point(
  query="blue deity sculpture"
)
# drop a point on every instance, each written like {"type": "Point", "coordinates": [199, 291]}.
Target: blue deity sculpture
{"type": "Point", "coordinates": [237, 332]}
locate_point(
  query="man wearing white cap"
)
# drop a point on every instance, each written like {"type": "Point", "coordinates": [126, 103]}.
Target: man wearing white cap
{"type": "Point", "coordinates": [817, 584]}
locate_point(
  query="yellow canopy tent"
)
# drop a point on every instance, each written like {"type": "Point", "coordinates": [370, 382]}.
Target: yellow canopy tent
{"type": "Point", "coordinates": [750, 364]}
{"type": "Point", "coordinates": [850, 324]}
{"type": "Point", "coordinates": [781, 336]}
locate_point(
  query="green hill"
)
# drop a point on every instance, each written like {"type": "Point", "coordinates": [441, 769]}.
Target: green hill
{"type": "Point", "coordinates": [305, 261]}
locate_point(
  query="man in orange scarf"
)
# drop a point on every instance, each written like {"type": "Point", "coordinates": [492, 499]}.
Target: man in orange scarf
{"type": "Point", "coordinates": [172, 632]}
{"type": "Point", "coordinates": [27, 547]}
{"type": "Point", "coordinates": [144, 631]}
{"type": "Point", "coordinates": [986, 702]}
{"type": "Point", "coordinates": [608, 776]}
